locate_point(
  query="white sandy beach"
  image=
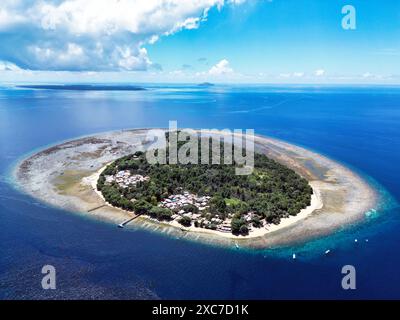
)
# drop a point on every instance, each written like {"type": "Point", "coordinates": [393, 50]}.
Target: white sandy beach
{"type": "Point", "coordinates": [316, 203]}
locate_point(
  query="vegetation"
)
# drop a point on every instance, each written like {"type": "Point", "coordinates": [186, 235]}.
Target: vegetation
{"type": "Point", "coordinates": [160, 213]}
{"type": "Point", "coordinates": [237, 224]}
{"type": "Point", "coordinates": [271, 192]}
{"type": "Point", "coordinates": [185, 221]}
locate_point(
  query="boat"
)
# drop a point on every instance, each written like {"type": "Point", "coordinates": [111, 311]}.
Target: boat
{"type": "Point", "coordinates": [121, 225]}
{"type": "Point", "coordinates": [327, 251]}
{"type": "Point", "coordinates": [294, 256]}
{"type": "Point", "coordinates": [236, 245]}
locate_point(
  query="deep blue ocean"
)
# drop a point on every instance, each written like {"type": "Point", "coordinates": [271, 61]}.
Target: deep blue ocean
{"type": "Point", "coordinates": [358, 126]}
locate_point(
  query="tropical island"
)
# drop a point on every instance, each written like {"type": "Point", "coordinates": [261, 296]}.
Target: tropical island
{"type": "Point", "coordinates": [209, 196]}
{"type": "Point", "coordinates": [293, 194]}
{"type": "Point", "coordinates": [206, 84]}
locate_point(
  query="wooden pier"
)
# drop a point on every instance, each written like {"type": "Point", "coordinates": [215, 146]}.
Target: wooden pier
{"type": "Point", "coordinates": [124, 223]}
{"type": "Point", "coordinates": [98, 207]}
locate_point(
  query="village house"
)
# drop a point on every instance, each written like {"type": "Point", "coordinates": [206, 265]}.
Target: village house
{"type": "Point", "coordinates": [125, 178]}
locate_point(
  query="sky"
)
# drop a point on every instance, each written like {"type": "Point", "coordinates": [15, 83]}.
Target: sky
{"type": "Point", "coordinates": [193, 41]}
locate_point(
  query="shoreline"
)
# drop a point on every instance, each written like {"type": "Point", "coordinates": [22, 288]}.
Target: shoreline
{"type": "Point", "coordinates": [341, 197]}
{"type": "Point", "coordinates": [316, 203]}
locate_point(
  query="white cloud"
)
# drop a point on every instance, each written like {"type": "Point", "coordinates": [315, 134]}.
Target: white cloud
{"type": "Point", "coordinates": [8, 20]}
{"type": "Point", "coordinates": [298, 74]}
{"type": "Point", "coordinates": [176, 73]}
{"type": "Point", "coordinates": [221, 68]}
{"type": "Point", "coordinates": [7, 66]}
{"type": "Point", "coordinates": [367, 75]}
{"type": "Point", "coordinates": [93, 34]}
{"type": "Point", "coordinates": [292, 75]}
{"type": "Point", "coordinates": [133, 60]}
{"type": "Point", "coordinates": [319, 72]}
{"type": "Point", "coordinates": [237, 1]}
{"type": "Point", "coordinates": [373, 76]}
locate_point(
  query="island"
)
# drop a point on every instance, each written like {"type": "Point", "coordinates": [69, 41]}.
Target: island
{"type": "Point", "coordinates": [293, 195]}
{"type": "Point", "coordinates": [206, 84]}
{"type": "Point", "coordinates": [209, 196]}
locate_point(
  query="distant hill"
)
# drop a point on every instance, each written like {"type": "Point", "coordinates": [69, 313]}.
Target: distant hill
{"type": "Point", "coordinates": [206, 84]}
{"type": "Point", "coordinates": [84, 87]}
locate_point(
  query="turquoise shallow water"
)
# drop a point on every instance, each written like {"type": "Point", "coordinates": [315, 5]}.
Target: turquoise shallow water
{"type": "Point", "coordinates": [356, 126]}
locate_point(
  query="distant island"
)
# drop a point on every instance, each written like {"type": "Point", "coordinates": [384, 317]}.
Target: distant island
{"type": "Point", "coordinates": [83, 87]}
{"type": "Point", "coordinates": [205, 196]}
{"type": "Point", "coordinates": [206, 84]}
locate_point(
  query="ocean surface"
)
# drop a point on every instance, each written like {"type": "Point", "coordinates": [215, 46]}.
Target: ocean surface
{"type": "Point", "coordinates": [358, 126]}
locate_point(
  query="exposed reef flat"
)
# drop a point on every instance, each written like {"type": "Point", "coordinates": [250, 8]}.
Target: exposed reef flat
{"type": "Point", "coordinates": [63, 175]}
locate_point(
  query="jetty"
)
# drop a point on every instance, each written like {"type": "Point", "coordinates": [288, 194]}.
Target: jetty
{"type": "Point", "coordinates": [124, 223]}
{"type": "Point", "coordinates": [95, 208]}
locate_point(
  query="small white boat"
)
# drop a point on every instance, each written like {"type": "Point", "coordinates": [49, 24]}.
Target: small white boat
{"type": "Point", "coordinates": [294, 256]}
{"type": "Point", "coordinates": [120, 225]}
{"type": "Point", "coordinates": [236, 245]}
{"type": "Point", "coordinates": [327, 251]}
{"type": "Point", "coordinates": [355, 240]}
{"type": "Point", "coordinates": [366, 240]}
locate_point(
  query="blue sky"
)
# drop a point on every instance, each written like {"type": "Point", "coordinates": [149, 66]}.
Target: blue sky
{"type": "Point", "coordinates": [253, 41]}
